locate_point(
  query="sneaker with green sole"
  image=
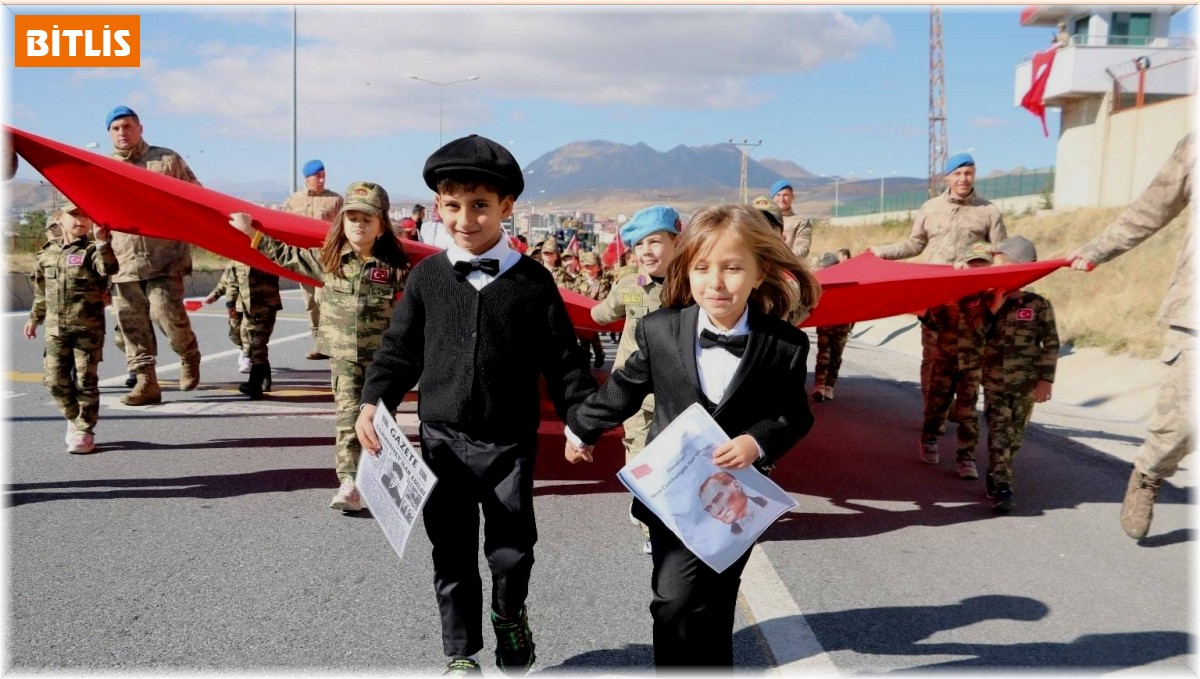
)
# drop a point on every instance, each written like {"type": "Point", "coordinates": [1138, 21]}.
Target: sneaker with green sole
{"type": "Point", "coordinates": [514, 644]}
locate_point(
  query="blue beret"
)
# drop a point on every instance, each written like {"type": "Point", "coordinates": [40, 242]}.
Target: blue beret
{"type": "Point", "coordinates": [958, 160]}
{"type": "Point", "coordinates": [312, 167]}
{"type": "Point", "coordinates": [647, 221]}
{"type": "Point", "coordinates": [118, 112]}
{"type": "Point", "coordinates": [779, 186]}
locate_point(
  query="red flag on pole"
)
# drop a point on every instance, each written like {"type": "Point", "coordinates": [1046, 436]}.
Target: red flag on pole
{"type": "Point", "coordinates": [1032, 101]}
{"type": "Point", "coordinates": [573, 245]}
{"type": "Point", "coordinates": [614, 254]}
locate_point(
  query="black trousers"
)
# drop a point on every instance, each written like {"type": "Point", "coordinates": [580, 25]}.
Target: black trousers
{"type": "Point", "coordinates": [693, 605]}
{"type": "Point", "coordinates": [473, 474]}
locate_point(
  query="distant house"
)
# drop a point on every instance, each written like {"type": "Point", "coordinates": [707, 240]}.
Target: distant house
{"type": "Point", "coordinates": [1125, 90]}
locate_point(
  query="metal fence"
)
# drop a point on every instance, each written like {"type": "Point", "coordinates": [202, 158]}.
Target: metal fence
{"type": "Point", "coordinates": [1007, 186]}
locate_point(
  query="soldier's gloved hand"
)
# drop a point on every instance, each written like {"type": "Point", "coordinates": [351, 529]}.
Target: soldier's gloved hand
{"type": "Point", "coordinates": [242, 221]}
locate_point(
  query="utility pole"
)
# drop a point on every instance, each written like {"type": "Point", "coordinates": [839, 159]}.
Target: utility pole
{"type": "Point", "coordinates": [744, 145]}
{"type": "Point", "coordinates": [937, 103]}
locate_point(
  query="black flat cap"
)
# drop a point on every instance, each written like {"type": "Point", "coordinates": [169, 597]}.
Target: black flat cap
{"type": "Point", "coordinates": [475, 158]}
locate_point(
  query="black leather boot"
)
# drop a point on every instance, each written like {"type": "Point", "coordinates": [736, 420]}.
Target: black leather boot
{"type": "Point", "coordinates": [254, 386]}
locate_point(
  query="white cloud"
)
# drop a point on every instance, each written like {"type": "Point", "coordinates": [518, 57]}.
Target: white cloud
{"type": "Point", "coordinates": [353, 61]}
{"type": "Point", "coordinates": [988, 121]}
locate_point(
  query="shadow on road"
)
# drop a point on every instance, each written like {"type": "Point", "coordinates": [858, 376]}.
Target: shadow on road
{"type": "Point", "coordinates": [203, 487]}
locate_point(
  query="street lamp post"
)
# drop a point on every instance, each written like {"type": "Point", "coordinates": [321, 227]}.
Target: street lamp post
{"type": "Point", "coordinates": [441, 90]}
{"type": "Point", "coordinates": [292, 171]}
{"type": "Point", "coordinates": [881, 178]}
{"type": "Point", "coordinates": [837, 179]}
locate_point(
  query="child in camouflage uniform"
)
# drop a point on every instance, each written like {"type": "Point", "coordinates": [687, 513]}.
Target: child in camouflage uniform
{"type": "Point", "coordinates": [227, 287]}
{"type": "Point", "coordinates": [955, 374]}
{"type": "Point", "coordinates": [831, 342]}
{"type": "Point", "coordinates": [69, 283]}
{"type": "Point", "coordinates": [1020, 354]}
{"type": "Point", "coordinates": [593, 284]}
{"type": "Point", "coordinates": [362, 270]}
{"type": "Point", "coordinates": [254, 299]}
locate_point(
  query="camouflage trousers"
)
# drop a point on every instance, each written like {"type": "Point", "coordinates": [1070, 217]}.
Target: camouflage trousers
{"type": "Point", "coordinates": [255, 332]}
{"type": "Point", "coordinates": [1169, 432]}
{"type": "Point", "coordinates": [77, 394]}
{"type": "Point", "coordinates": [1007, 416]}
{"type": "Point", "coordinates": [237, 333]}
{"type": "Point", "coordinates": [312, 306]}
{"type": "Point", "coordinates": [347, 378]}
{"type": "Point", "coordinates": [637, 427]}
{"type": "Point", "coordinates": [831, 341]}
{"type": "Point", "coordinates": [928, 354]}
{"type": "Point", "coordinates": [953, 392]}
{"type": "Point", "coordinates": [141, 305]}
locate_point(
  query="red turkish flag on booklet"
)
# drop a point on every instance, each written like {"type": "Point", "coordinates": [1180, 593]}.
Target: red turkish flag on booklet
{"type": "Point", "coordinates": [1032, 101]}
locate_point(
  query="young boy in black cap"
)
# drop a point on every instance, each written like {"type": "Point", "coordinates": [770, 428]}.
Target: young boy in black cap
{"type": "Point", "coordinates": [478, 324]}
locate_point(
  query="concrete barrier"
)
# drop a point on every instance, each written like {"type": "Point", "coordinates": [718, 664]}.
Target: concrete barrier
{"type": "Point", "coordinates": [18, 290]}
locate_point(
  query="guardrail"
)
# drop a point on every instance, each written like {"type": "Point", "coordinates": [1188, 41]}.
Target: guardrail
{"type": "Point", "coordinates": [993, 188]}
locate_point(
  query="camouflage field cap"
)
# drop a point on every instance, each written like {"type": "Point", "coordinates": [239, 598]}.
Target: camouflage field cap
{"type": "Point", "coordinates": [770, 210]}
{"type": "Point", "coordinates": [66, 205]}
{"type": "Point", "coordinates": [366, 197]}
{"type": "Point", "coordinates": [979, 251]}
{"type": "Point", "coordinates": [1017, 248]}
{"type": "Point", "coordinates": [589, 259]}
{"type": "Point", "coordinates": [551, 245]}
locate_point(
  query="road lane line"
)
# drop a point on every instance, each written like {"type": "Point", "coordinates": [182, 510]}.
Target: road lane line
{"type": "Point", "coordinates": [205, 358]}
{"type": "Point", "coordinates": [768, 604]}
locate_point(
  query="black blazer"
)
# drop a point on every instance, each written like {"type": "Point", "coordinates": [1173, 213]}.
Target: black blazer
{"type": "Point", "coordinates": [766, 398]}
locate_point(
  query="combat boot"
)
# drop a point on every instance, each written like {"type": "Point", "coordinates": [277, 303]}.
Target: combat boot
{"type": "Point", "coordinates": [1137, 509]}
{"type": "Point", "coordinates": [189, 373]}
{"type": "Point", "coordinates": [145, 391]}
{"type": "Point", "coordinates": [254, 386]}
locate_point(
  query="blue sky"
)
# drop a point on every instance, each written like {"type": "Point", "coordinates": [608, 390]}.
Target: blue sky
{"type": "Point", "coordinates": [833, 89]}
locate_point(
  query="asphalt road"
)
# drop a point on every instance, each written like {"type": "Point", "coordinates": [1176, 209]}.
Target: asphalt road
{"type": "Point", "coordinates": [198, 538]}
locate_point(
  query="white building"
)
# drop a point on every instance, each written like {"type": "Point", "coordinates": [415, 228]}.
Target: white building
{"type": "Point", "coordinates": [1125, 91]}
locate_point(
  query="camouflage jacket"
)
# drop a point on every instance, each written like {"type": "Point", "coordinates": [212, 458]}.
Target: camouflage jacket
{"type": "Point", "coordinates": [797, 234]}
{"type": "Point", "coordinates": [1168, 193]}
{"type": "Point", "coordinates": [960, 330]}
{"type": "Point", "coordinates": [69, 282]}
{"type": "Point", "coordinates": [356, 300]}
{"type": "Point", "coordinates": [144, 257]}
{"type": "Point", "coordinates": [323, 206]}
{"type": "Point", "coordinates": [1021, 345]}
{"type": "Point", "coordinates": [631, 298]}
{"type": "Point", "coordinates": [564, 278]}
{"type": "Point", "coordinates": [596, 288]}
{"type": "Point", "coordinates": [945, 228]}
{"type": "Point", "coordinates": [251, 291]}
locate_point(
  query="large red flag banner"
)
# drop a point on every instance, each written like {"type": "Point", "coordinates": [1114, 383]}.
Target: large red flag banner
{"type": "Point", "coordinates": [1040, 73]}
{"type": "Point", "coordinates": [134, 200]}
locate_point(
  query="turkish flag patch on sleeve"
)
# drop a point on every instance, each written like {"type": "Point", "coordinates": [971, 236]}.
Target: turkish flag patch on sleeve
{"type": "Point", "coordinates": [75, 259]}
{"type": "Point", "coordinates": [380, 275]}
{"type": "Point", "coordinates": [1025, 314]}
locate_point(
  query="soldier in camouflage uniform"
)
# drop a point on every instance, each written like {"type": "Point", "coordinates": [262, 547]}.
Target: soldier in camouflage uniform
{"type": "Point", "coordinates": [254, 295]}
{"type": "Point", "coordinates": [552, 260]}
{"type": "Point", "coordinates": [652, 233]}
{"type": "Point", "coordinates": [944, 227]}
{"type": "Point", "coordinates": [831, 342]}
{"type": "Point", "coordinates": [1169, 434]}
{"type": "Point", "coordinates": [69, 284]}
{"type": "Point", "coordinates": [362, 272]}
{"type": "Point", "coordinates": [956, 372]}
{"type": "Point", "coordinates": [1020, 355]}
{"type": "Point", "coordinates": [568, 274]}
{"type": "Point", "coordinates": [797, 230]}
{"type": "Point", "coordinates": [148, 290]}
{"type": "Point", "coordinates": [317, 202]}
{"type": "Point", "coordinates": [593, 284]}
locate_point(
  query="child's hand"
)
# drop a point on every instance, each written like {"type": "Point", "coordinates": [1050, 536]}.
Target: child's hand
{"type": "Point", "coordinates": [210, 299]}
{"type": "Point", "coordinates": [576, 454]}
{"type": "Point", "coordinates": [1079, 263]}
{"type": "Point", "coordinates": [739, 453]}
{"type": "Point", "coordinates": [1041, 392]}
{"type": "Point", "coordinates": [365, 429]}
{"type": "Point", "coordinates": [30, 330]}
{"type": "Point", "coordinates": [242, 221]}
{"type": "Point", "coordinates": [100, 233]}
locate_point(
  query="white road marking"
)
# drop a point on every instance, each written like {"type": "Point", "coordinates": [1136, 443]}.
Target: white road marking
{"type": "Point", "coordinates": [768, 604]}
{"type": "Point", "coordinates": [120, 379]}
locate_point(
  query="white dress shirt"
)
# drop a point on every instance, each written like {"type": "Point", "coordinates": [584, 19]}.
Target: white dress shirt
{"type": "Point", "coordinates": [716, 365]}
{"type": "Point", "coordinates": [501, 252]}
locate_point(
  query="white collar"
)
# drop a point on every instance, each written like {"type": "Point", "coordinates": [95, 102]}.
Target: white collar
{"type": "Point", "coordinates": [499, 251]}
{"type": "Point", "coordinates": [742, 327]}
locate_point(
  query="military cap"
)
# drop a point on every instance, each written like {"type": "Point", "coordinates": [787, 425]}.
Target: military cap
{"type": "Point", "coordinates": [68, 206]}
{"type": "Point", "coordinates": [118, 112]}
{"type": "Point", "coordinates": [568, 254]}
{"type": "Point", "coordinates": [367, 197]}
{"type": "Point", "coordinates": [827, 260]}
{"type": "Point", "coordinates": [589, 258]}
{"type": "Point", "coordinates": [1017, 248]}
{"type": "Point", "coordinates": [647, 221]}
{"type": "Point", "coordinates": [979, 251]}
{"type": "Point", "coordinates": [958, 160]}
{"type": "Point", "coordinates": [312, 167]}
{"type": "Point", "coordinates": [475, 158]}
{"type": "Point", "coordinates": [770, 210]}
{"type": "Point", "coordinates": [779, 186]}
{"type": "Point", "coordinates": [551, 245]}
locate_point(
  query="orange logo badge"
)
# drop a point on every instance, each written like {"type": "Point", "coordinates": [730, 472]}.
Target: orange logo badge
{"type": "Point", "coordinates": [110, 40]}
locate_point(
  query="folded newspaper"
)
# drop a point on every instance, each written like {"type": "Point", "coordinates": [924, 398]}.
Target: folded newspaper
{"type": "Point", "coordinates": [717, 513]}
{"type": "Point", "coordinates": [396, 483]}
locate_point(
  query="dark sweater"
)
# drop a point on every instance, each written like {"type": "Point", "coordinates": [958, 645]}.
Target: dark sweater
{"type": "Point", "coordinates": [478, 353]}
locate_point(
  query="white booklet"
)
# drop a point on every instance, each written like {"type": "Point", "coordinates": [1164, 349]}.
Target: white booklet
{"type": "Point", "coordinates": [717, 513]}
{"type": "Point", "coordinates": [396, 483]}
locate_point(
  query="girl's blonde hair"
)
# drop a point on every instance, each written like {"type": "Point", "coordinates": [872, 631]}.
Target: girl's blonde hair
{"type": "Point", "coordinates": [386, 249]}
{"type": "Point", "coordinates": [787, 282]}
